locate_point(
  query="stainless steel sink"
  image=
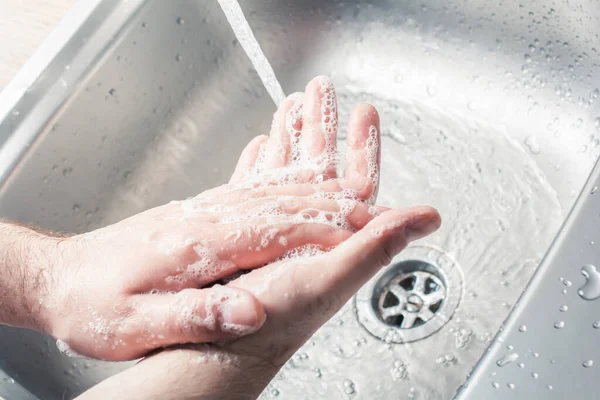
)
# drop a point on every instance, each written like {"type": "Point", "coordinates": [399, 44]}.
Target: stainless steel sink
{"type": "Point", "coordinates": [490, 112]}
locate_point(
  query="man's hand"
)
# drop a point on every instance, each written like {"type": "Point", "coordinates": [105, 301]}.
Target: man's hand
{"type": "Point", "coordinates": [310, 282]}
{"type": "Point", "coordinates": [141, 284]}
{"type": "Point", "coordinates": [149, 281]}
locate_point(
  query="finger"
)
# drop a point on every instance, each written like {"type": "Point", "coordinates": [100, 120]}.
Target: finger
{"type": "Point", "coordinates": [348, 214]}
{"type": "Point", "coordinates": [357, 188]}
{"type": "Point", "coordinates": [236, 191]}
{"type": "Point", "coordinates": [193, 316]}
{"type": "Point", "coordinates": [248, 157]}
{"type": "Point", "coordinates": [320, 123]}
{"type": "Point", "coordinates": [363, 152]}
{"type": "Point", "coordinates": [240, 247]}
{"type": "Point", "coordinates": [286, 121]}
{"type": "Point", "coordinates": [253, 236]}
{"type": "Point", "coordinates": [356, 260]}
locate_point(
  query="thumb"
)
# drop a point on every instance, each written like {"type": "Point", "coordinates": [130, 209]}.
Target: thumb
{"type": "Point", "coordinates": [360, 257]}
{"type": "Point", "coordinates": [197, 316]}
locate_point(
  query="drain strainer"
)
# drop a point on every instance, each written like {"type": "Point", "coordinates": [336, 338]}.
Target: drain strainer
{"type": "Point", "coordinates": [413, 297]}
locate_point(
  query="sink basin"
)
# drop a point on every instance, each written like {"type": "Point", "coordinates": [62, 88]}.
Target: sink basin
{"type": "Point", "coordinates": [490, 113]}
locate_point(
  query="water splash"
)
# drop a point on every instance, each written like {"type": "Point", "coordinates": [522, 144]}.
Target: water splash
{"type": "Point", "coordinates": [245, 36]}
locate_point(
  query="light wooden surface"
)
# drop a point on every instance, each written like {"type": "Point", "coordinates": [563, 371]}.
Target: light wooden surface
{"type": "Point", "coordinates": [24, 24]}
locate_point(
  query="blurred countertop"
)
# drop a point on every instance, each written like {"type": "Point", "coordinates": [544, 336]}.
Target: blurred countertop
{"type": "Point", "coordinates": [24, 24]}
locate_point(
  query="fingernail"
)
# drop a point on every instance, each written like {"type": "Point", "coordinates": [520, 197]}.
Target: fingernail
{"type": "Point", "coordinates": [241, 314]}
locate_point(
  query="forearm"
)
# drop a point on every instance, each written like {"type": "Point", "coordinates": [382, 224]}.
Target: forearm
{"type": "Point", "coordinates": [188, 372]}
{"type": "Point", "coordinates": [27, 257]}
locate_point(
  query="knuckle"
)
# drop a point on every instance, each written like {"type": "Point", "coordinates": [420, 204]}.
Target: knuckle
{"type": "Point", "coordinates": [390, 248]}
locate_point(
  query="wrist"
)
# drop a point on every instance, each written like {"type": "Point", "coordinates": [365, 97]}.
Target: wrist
{"type": "Point", "coordinates": [209, 371]}
{"type": "Point", "coordinates": [28, 262]}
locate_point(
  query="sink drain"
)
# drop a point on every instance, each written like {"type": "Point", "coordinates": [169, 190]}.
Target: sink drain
{"type": "Point", "coordinates": [412, 298]}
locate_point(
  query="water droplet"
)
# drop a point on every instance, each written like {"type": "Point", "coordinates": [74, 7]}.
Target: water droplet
{"type": "Point", "coordinates": [431, 90]}
{"type": "Point", "coordinates": [274, 392]}
{"type": "Point", "coordinates": [144, 24]}
{"type": "Point", "coordinates": [588, 363]}
{"type": "Point", "coordinates": [510, 385]}
{"type": "Point", "coordinates": [567, 283]}
{"type": "Point", "coordinates": [563, 308]}
{"type": "Point", "coordinates": [550, 387]}
{"type": "Point", "coordinates": [559, 324]}
{"type": "Point", "coordinates": [594, 189]}
{"type": "Point", "coordinates": [9, 380]}
{"type": "Point", "coordinates": [597, 122]}
{"type": "Point", "coordinates": [523, 328]}
{"type": "Point", "coordinates": [178, 57]}
{"type": "Point", "coordinates": [112, 92]}
{"type": "Point", "coordinates": [180, 21]}
{"type": "Point", "coordinates": [596, 325]}
{"type": "Point", "coordinates": [532, 144]}
{"type": "Point", "coordinates": [535, 375]}
{"type": "Point", "coordinates": [76, 208]}
{"type": "Point", "coordinates": [591, 288]}
{"type": "Point", "coordinates": [349, 387]}
{"type": "Point", "coordinates": [507, 359]}
{"type": "Point", "coordinates": [521, 365]}
{"type": "Point", "coordinates": [450, 357]}
{"type": "Point", "coordinates": [564, 291]}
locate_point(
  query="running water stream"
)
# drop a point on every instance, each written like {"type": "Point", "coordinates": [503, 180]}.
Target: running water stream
{"type": "Point", "coordinates": [245, 36]}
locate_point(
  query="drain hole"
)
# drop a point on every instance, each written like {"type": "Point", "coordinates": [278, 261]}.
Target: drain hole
{"type": "Point", "coordinates": [390, 301]}
{"type": "Point", "coordinates": [408, 283]}
{"type": "Point", "coordinates": [411, 298]}
{"type": "Point", "coordinates": [435, 307]}
{"type": "Point", "coordinates": [430, 286]}
{"type": "Point", "coordinates": [395, 320]}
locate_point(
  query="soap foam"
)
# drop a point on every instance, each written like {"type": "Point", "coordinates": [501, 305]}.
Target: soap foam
{"type": "Point", "coordinates": [299, 157]}
{"type": "Point", "coordinates": [372, 147]}
{"type": "Point", "coordinates": [218, 307]}
{"type": "Point", "coordinates": [207, 266]}
{"type": "Point", "coordinates": [329, 121]}
{"type": "Point", "coordinates": [66, 350]}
